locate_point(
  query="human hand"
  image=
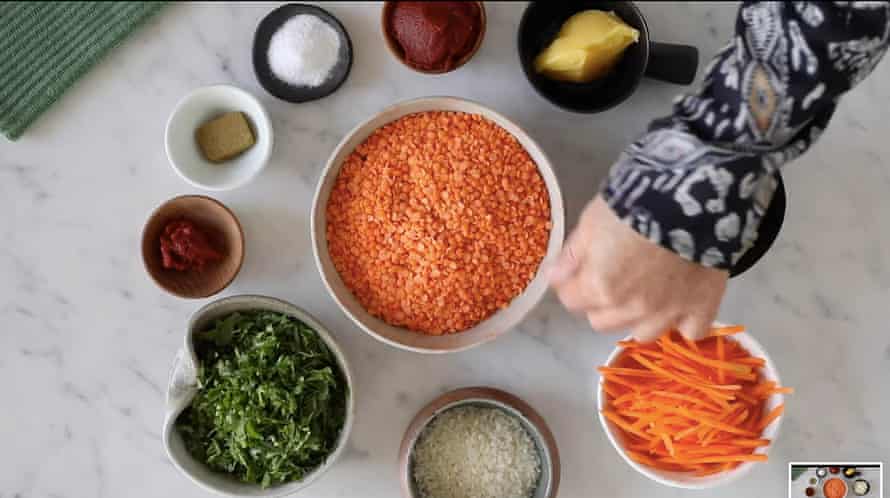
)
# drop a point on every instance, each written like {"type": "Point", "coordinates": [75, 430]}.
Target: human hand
{"type": "Point", "coordinates": [622, 281]}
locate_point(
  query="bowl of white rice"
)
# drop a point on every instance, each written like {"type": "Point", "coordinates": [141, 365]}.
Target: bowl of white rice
{"type": "Point", "coordinates": [478, 441]}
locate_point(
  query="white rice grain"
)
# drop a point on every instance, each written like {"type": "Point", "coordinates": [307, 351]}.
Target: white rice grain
{"type": "Point", "coordinates": [473, 452]}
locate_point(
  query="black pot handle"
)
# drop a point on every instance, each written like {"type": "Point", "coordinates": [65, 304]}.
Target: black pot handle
{"type": "Point", "coordinates": [672, 63]}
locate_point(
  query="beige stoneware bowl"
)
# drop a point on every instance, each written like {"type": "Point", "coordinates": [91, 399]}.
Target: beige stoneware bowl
{"type": "Point", "coordinates": [485, 331]}
{"type": "Point", "coordinates": [183, 387]}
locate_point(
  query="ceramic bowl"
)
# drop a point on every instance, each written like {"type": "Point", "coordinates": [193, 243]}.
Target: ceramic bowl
{"type": "Point", "coordinates": [687, 481]}
{"type": "Point", "coordinates": [542, 21]}
{"type": "Point", "coordinates": [283, 90]}
{"type": "Point", "coordinates": [183, 387]}
{"type": "Point", "coordinates": [204, 104]}
{"type": "Point", "coordinates": [223, 231]}
{"type": "Point", "coordinates": [396, 50]}
{"type": "Point", "coordinates": [532, 422]}
{"type": "Point", "coordinates": [488, 329]}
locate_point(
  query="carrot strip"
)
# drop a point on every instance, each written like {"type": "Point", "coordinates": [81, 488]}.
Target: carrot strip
{"type": "Point", "coordinates": [686, 433]}
{"type": "Point", "coordinates": [620, 400]}
{"type": "Point", "coordinates": [610, 390]}
{"type": "Point", "coordinates": [774, 414]}
{"type": "Point", "coordinates": [617, 420]}
{"type": "Point", "coordinates": [668, 445]}
{"type": "Point", "coordinates": [734, 367]}
{"type": "Point", "coordinates": [680, 365]}
{"type": "Point", "coordinates": [689, 343]}
{"type": "Point", "coordinates": [730, 330]}
{"type": "Point", "coordinates": [751, 400]}
{"type": "Point", "coordinates": [626, 371]}
{"type": "Point", "coordinates": [704, 419]}
{"type": "Point", "coordinates": [756, 362]}
{"type": "Point", "coordinates": [641, 458]}
{"type": "Point", "coordinates": [711, 470]}
{"type": "Point", "coordinates": [744, 457]}
{"type": "Point", "coordinates": [750, 443]}
{"type": "Point", "coordinates": [685, 397]}
{"type": "Point", "coordinates": [721, 355]}
{"type": "Point", "coordinates": [676, 377]}
{"type": "Point", "coordinates": [622, 382]}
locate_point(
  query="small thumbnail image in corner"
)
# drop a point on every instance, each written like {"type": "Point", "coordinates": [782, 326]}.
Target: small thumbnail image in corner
{"type": "Point", "coordinates": [835, 480]}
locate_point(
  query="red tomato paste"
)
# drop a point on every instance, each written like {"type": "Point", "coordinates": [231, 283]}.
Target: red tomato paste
{"type": "Point", "coordinates": [435, 35]}
{"type": "Point", "coordinates": [185, 247]}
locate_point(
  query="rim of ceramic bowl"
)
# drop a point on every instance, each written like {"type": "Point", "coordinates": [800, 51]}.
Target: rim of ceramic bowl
{"type": "Point", "coordinates": [671, 478]}
{"type": "Point", "coordinates": [253, 302]}
{"type": "Point", "coordinates": [395, 51]}
{"type": "Point", "coordinates": [264, 160]}
{"type": "Point", "coordinates": [231, 215]}
{"type": "Point", "coordinates": [545, 169]}
{"type": "Point", "coordinates": [515, 406]}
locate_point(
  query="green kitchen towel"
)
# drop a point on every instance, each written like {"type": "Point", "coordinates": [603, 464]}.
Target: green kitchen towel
{"type": "Point", "coordinates": [46, 46]}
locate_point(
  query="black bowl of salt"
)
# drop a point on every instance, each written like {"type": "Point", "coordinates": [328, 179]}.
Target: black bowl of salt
{"type": "Point", "coordinates": [301, 53]}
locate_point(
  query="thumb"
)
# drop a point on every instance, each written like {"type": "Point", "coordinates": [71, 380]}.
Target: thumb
{"type": "Point", "coordinates": [568, 262]}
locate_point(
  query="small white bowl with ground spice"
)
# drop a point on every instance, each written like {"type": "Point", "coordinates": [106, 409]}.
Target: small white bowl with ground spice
{"type": "Point", "coordinates": [218, 155]}
{"type": "Point", "coordinates": [432, 222]}
{"type": "Point", "coordinates": [478, 441]}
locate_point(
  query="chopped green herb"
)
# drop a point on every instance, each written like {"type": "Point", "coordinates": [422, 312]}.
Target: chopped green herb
{"type": "Point", "coordinates": [271, 399]}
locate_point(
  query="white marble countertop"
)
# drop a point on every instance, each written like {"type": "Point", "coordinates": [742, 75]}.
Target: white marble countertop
{"type": "Point", "coordinates": [88, 339]}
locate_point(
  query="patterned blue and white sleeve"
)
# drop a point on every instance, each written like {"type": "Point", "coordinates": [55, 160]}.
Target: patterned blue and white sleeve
{"type": "Point", "coordinates": [699, 181]}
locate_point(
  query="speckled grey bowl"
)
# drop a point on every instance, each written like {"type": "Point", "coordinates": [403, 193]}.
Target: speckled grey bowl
{"type": "Point", "coordinates": [486, 397]}
{"type": "Point", "coordinates": [183, 387]}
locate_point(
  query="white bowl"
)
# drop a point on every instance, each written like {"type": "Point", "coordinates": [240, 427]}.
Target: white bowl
{"type": "Point", "coordinates": [688, 481]}
{"type": "Point", "coordinates": [204, 104]}
{"type": "Point", "coordinates": [491, 327]}
{"type": "Point", "coordinates": [183, 387]}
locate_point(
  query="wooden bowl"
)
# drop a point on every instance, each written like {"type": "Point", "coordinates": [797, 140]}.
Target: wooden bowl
{"type": "Point", "coordinates": [221, 227]}
{"type": "Point", "coordinates": [398, 53]}
{"type": "Point", "coordinates": [486, 397]}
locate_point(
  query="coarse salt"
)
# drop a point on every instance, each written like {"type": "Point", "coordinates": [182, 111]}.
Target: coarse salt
{"type": "Point", "coordinates": [474, 452]}
{"type": "Point", "coordinates": [303, 51]}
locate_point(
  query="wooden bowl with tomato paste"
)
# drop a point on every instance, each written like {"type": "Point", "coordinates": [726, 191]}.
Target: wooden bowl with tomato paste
{"type": "Point", "coordinates": [440, 19]}
{"type": "Point", "coordinates": [192, 246]}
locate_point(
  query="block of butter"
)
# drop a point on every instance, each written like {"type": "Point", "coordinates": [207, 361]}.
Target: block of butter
{"type": "Point", "coordinates": [587, 47]}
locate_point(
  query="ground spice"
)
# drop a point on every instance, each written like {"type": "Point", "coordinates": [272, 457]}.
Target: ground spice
{"type": "Point", "coordinates": [438, 220]}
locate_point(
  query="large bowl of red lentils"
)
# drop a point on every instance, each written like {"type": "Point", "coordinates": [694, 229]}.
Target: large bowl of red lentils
{"type": "Point", "coordinates": [434, 223]}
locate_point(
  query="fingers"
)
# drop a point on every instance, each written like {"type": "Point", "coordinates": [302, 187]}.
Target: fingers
{"type": "Point", "coordinates": [696, 326]}
{"type": "Point", "coordinates": [567, 277]}
{"type": "Point", "coordinates": [576, 295]}
{"type": "Point", "coordinates": [612, 319]}
{"type": "Point", "coordinates": [569, 261]}
{"type": "Point", "coordinates": [652, 329]}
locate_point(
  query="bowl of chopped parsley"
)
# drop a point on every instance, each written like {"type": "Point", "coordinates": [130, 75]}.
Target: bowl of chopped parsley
{"type": "Point", "coordinates": [259, 401]}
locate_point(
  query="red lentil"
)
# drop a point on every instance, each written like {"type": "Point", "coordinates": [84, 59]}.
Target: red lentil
{"type": "Point", "coordinates": [437, 220]}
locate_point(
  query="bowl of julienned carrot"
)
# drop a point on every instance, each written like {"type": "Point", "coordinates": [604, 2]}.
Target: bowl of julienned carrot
{"type": "Point", "coordinates": [691, 414]}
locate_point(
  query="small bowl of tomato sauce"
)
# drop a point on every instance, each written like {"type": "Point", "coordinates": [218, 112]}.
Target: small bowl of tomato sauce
{"type": "Point", "coordinates": [433, 37]}
{"type": "Point", "coordinates": [192, 246]}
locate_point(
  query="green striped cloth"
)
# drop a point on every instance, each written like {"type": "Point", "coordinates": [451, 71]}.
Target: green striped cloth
{"type": "Point", "coordinates": [46, 46]}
